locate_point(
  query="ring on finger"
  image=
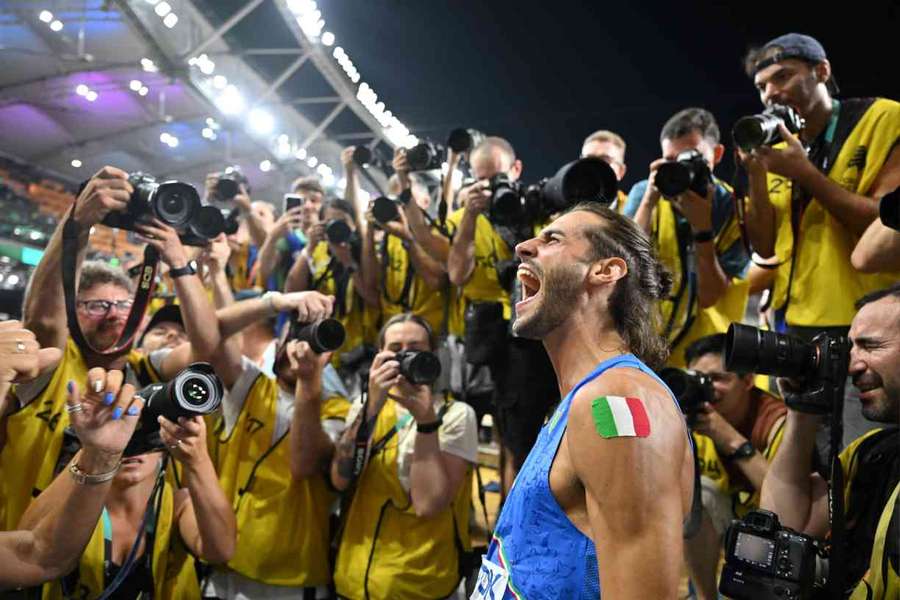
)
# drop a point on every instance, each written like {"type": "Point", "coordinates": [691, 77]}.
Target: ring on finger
{"type": "Point", "coordinates": [74, 408]}
{"type": "Point", "coordinates": [20, 346]}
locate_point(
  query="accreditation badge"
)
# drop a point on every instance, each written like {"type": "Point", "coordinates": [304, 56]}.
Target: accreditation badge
{"type": "Point", "coordinates": [492, 580]}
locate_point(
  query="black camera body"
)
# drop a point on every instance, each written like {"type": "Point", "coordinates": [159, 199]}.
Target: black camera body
{"type": "Point", "coordinates": [338, 232]}
{"type": "Point", "coordinates": [691, 388]}
{"type": "Point", "coordinates": [759, 130]}
{"type": "Point", "coordinates": [196, 390]}
{"type": "Point", "coordinates": [463, 140]}
{"type": "Point", "coordinates": [584, 180]}
{"type": "Point", "coordinates": [419, 367]}
{"type": "Point", "coordinates": [425, 156]}
{"type": "Point", "coordinates": [174, 203]}
{"type": "Point", "coordinates": [228, 184]}
{"type": "Point", "coordinates": [822, 364]}
{"type": "Point", "coordinates": [386, 209]}
{"type": "Point", "coordinates": [765, 560]}
{"type": "Point", "coordinates": [322, 336]}
{"type": "Point", "coordinates": [689, 171]}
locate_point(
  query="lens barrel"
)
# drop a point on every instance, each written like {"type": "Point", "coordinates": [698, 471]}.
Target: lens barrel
{"type": "Point", "coordinates": [419, 367]}
{"type": "Point", "coordinates": [322, 336]}
{"type": "Point", "coordinates": [752, 350]}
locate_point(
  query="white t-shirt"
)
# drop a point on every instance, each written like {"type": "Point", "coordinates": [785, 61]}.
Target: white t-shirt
{"type": "Point", "coordinates": [458, 434]}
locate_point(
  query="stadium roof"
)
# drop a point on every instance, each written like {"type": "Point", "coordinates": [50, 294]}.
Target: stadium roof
{"type": "Point", "coordinates": [181, 88]}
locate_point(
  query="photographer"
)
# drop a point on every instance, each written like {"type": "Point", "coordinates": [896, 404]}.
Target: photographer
{"type": "Point", "coordinates": [271, 453]}
{"type": "Point", "coordinates": [812, 196]}
{"type": "Point", "coordinates": [696, 235]}
{"type": "Point", "coordinates": [406, 457]}
{"type": "Point", "coordinates": [408, 278]}
{"type": "Point", "coordinates": [871, 463]}
{"type": "Point", "coordinates": [52, 533]}
{"type": "Point", "coordinates": [330, 264]}
{"type": "Point", "coordinates": [151, 530]}
{"type": "Point", "coordinates": [289, 235]}
{"type": "Point", "coordinates": [736, 433]}
{"type": "Point", "coordinates": [103, 300]}
{"type": "Point", "coordinates": [610, 147]}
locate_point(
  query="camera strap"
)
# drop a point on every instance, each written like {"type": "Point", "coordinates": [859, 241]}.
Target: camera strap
{"type": "Point", "coordinates": [692, 523]}
{"type": "Point", "coordinates": [403, 299]}
{"type": "Point", "coordinates": [146, 284]}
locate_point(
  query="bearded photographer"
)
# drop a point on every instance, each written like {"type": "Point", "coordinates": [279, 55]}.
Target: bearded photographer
{"type": "Point", "coordinates": [58, 523]}
{"type": "Point", "coordinates": [406, 460]}
{"type": "Point", "coordinates": [271, 449]}
{"type": "Point", "coordinates": [812, 192]}
{"type": "Point", "coordinates": [481, 255]}
{"type": "Point", "coordinates": [103, 299]}
{"type": "Point", "coordinates": [694, 230]}
{"type": "Point", "coordinates": [736, 434]}
{"type": "Point", "coordinates": [870, 464]}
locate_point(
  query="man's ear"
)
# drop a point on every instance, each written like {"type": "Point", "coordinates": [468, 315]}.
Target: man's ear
{"type": "Point", "coordinates": [607, 270]}
{"type": "Point", "coordinates": [823, 71]}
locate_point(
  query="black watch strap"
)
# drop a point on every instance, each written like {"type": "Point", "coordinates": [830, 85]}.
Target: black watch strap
{"type": "Point", "coordinates": [745, 450]}
{"type": "Point", "coordinates": [405, 196]}
{"type": "Point", "coordinates": [707, 235]}
{"type": "Point", "coordinates": [430, 427]}
{"type": "Point", "coordinates": [188, 269]}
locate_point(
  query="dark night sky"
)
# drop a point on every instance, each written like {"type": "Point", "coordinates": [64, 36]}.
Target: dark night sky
{"type": "Point", "coordinates": [546, 74]}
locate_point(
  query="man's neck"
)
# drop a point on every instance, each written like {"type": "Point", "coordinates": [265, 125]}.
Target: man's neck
{"type": "Point", "coordinates": [577, 346]}
{"type": "Point", "coordinates": [817, 117]}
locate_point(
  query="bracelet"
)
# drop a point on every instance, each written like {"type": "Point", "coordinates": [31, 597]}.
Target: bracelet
{"type": "Point", "coordinates": [269, 299]}
{"type": "Point", "coordinates": [707, 235]}
{"type": "Point", "coordinates": [82, 478]}
{"type": "Point", "coordinates": [429, 427]}
{"type": "Point", "coordinates": [745, 450]}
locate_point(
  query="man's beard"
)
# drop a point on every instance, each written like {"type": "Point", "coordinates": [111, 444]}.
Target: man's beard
{"type": "Point", "coordinates": [559, 289]}
{"type": "Point", "coordinates": [105, 335]}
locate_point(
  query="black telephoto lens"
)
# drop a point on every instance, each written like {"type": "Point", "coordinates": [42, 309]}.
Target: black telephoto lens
{"type": "Point", "coordinates": [322, 336]}
{"type": "Point", "coordinates": [207, 223]}
{"type": "Point", "coordinates": [424, 156]}
{"type": "Point", "coordinates": [385, 210]}
{"type": "Point", "coordinates": [419, 367]}
{"type": "Point", "coordinates": [691, 388]}
{"type": "Point", "coordinates": [672, 178]}
{"type": "Point", "coordinates": [175, 203]}
{"type": "Point", "coordinates": [460, 140]}
{"type": "Point", "coordinates": [588, 179]}
{"type": "Point", "coordinates": [196, 390]}
{"type": "Point", "coordinates": [337, 231]}
{"type": "Point", "coordinates": [752, 132]}
{"type": "Point", "coordinates": [752, 350]}
{"type": "Point", "coordinates": [362, 156]}
{"type": "Point", "coordinates": [227, 188]}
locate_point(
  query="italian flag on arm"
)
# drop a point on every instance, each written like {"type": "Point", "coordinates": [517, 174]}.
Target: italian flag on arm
{"type": "Point", "coordinates": [615, 416]}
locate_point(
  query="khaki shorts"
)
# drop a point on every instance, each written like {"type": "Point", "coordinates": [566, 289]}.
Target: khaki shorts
{"type": "Point", "coordinates": [717, 504]}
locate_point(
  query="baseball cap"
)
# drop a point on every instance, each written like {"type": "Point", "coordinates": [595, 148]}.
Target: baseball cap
{"type": "Point", "coordinates": [795, 45]}
{"type": "Point", "coordinates": [170, 313]}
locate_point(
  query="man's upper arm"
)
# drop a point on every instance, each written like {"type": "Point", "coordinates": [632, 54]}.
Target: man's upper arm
{"type": "Point", "coordinates": [633, 494]}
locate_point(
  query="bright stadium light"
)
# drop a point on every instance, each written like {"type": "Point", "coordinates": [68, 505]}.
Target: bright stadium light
{"type": "Point", "coordinates": [328, 38]}
{"type": "Point", "coordinates": [144, 91]}
{"type": "Point", "coordinates": [312, 161]}
{"type": "Point", "coordinates": [220, 82]}
{"type": "Point", "coordinates": [265, 166]}
{"type": "Point", "coordinates": [261, 121]}
{"type": "Point", "coordinates": [230, 101]}
{"type": "Point", "coordinates": [81, 89]}
{"type": "Point", "coordinates": [76, 163]}
{"type": "Point", "coordinates": [162, 9]}
{"type": "Point", "coordinates": [135, 85]}
{"type": "Point", "coordinates": [300, 154]}
{"type": "Point", "coordinates": [170, 20]}
{"type": "Point", "coordinates": [56, 25]}
{"type": "Point", "coordinates": [91, 96]}
{"type": "Point", "coordinates": [46, 16]}
{"type": "Point", "coordinates": [148, 65]}
{"type": "Point", "coordinates": [208, 133]}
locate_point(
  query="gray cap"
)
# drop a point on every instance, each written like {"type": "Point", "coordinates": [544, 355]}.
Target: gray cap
{"type": "Point", "coordinates": [795, 45]}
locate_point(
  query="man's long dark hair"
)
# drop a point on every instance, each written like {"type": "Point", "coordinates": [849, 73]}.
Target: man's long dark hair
{"type": "Point", "coordinates": [633, 303]}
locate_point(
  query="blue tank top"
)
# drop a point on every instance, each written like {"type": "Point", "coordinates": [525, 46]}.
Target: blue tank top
{"type": "Point", "coordinates": [543, 553]}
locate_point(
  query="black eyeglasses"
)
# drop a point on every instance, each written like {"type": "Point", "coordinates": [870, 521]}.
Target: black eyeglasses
{"type": "Point", "coordinates": [101, 308]}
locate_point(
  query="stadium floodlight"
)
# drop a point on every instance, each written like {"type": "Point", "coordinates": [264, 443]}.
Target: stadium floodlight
{"type": "Point", "coordinates": [300, 154]}
{"type": "Point", "coordinates": [76, 163]}
{"type": "Point", "coordinates": [144, 91]}
{"type": "Point", "coordinates": [170, 20]}
{"type": "Point", "coordinates": [148, 65]}
{"type": "Point", "coordinates": [135, 85]}
{"type": "Point", "coordinates": [220, 82]}
{"type": "Point", "coordinates": [56, 25]}
{"type": "Point", "coordinates": [328, 38]}
{"type": "Point", "coordinates": [46, 16]}
{"type": "Point", "coordinates": [265, 166]}
{"type": "Point", "coordinates": [163, 8]}
{"type": "Point", "coordinates": [81, 89]}
{"type": "Point", "coordinates": [91, 96]}
{"type": "Point", "coordinates": [230, 101]}
{"type": "Point", "coordinates": [261, 121]}
{"type": "Point", "coordinates": [312, 161]}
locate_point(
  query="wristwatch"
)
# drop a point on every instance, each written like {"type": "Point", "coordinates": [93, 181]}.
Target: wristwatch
{"type": "Point", "coordinates": [188, 269]}
{"type": "Point", "coordinates": [745, 450]}
{"type": "Point", "coordinates": [706, 235]}
{"type": "Point", "coordinates": [405, 196]}
{"type": "Point", "coordinates": [429, 427]}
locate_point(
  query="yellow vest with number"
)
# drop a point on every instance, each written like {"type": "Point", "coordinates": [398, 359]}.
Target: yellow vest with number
{"type": "Point", "coordinates": [386, 551]}
{"type": "Point", "coordinates": [35, 434]}
{"type": "Point", "coordinates": [825, 285]}
{"type": "Point", "coordinates": [490, 248]}
{"type": "Point", "coordinates": [173, 566]}
{"type": "Point", "coordinates": [706, 321]}
{"type": "Point", "coordinates": [282, 524]}
{"type": "Point", "coordinates": [421, 299]}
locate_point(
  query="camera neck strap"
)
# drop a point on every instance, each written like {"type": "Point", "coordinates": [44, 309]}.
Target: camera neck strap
{"type": "Point", "coordinates": [403, 299]}
{"type": "Point", "coordinates": [146, 284]}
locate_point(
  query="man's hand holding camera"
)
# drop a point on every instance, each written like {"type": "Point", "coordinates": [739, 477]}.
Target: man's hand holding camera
{"type": "Point", "coordinates": [476, 197]}
{"type": "Point", "coordinates": [166, 241]}
{"type": "Point", "coordinates": [402, 168]}
{"type": "Point", "coordinates": [309, 306]}
{"type": "Point", "coordinates": [696, 209]}
{"type": "Point", "coordinates": [712, 424]}
{"type": "Point", "coordinates": [305, 364]}
{"type": "Point", "coordinates": [791, 162]}
{"type": "Point", "coordinates": [385, 381]}
{"type": "Point", "coordinates": [291, 219]}
{"type": "Point", "coordinates": [106, 191]}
